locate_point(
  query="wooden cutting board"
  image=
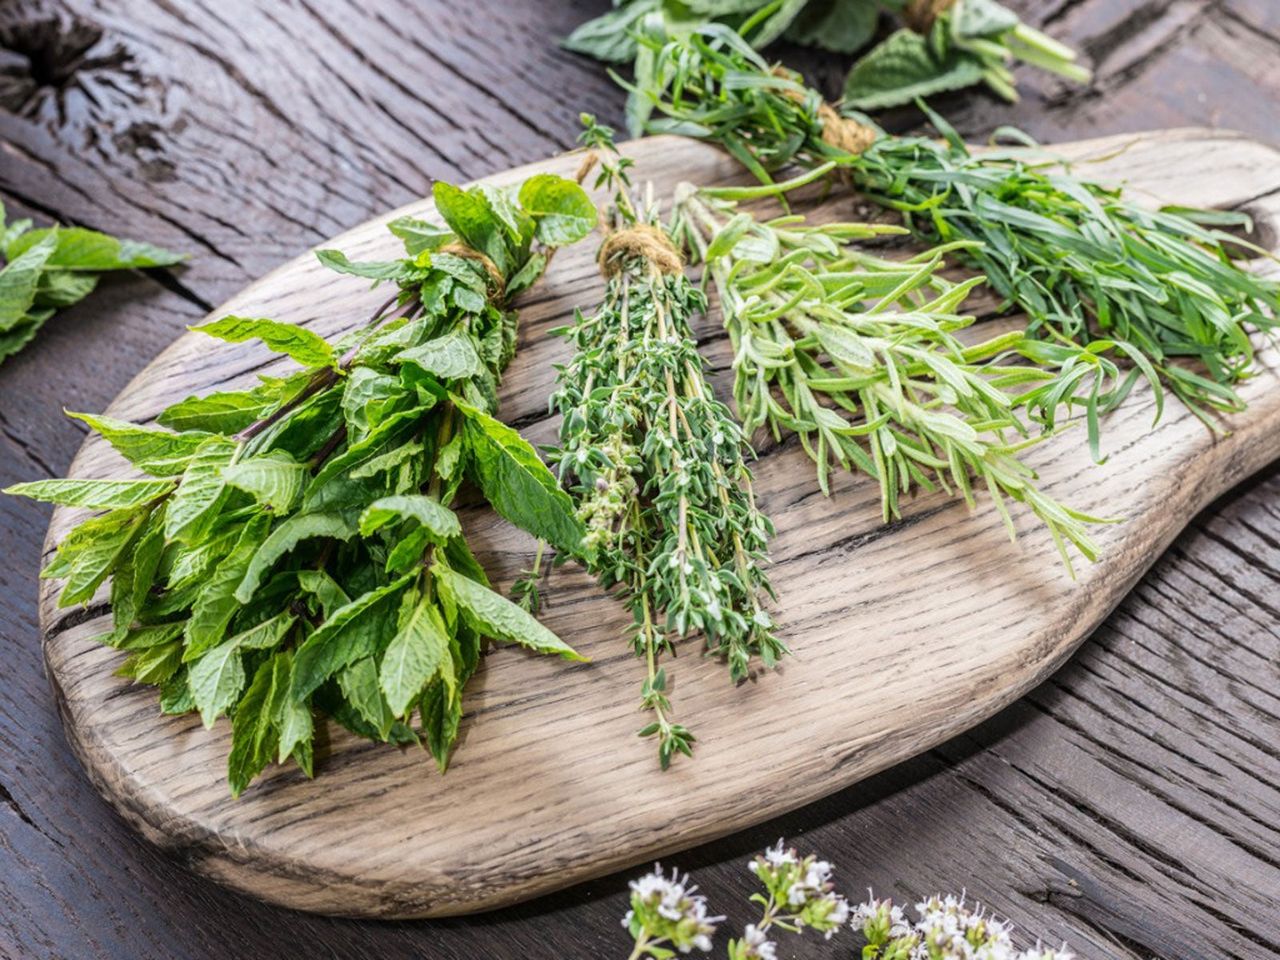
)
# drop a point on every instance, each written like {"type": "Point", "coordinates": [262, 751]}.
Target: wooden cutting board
{"type": "Point", "coordinates": [903, 635]}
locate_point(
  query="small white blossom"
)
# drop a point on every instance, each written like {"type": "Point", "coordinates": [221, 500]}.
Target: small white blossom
{"type": "Point", "coordinates": [669, 909]}
{"type": "Point", "coordinates": [758, 945]}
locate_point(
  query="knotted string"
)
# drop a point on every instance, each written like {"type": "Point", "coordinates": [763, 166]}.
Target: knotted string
{"type": "Point", "coordinates": [459, 249]}
{"type": "Point", "coordinates": [921, 15]}
{"type": "Point", "coordinates": [641, 240]}
{"type": "Point", "coordinates": [843, 133]}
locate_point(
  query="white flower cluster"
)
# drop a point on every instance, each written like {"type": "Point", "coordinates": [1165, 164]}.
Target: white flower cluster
{"type": "Point", "coordinates": [947, 929]}
{"type": "Point", "coordinates": [669, 910]}
{"type": "Point", "coordinates": [802, 888]}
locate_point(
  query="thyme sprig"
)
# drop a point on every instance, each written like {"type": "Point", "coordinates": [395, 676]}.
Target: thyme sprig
{"type": "Point", "coordinates": [656, 463]}
{"type": "Point", "coordinates": [1091, 270]}
{"type": "Point", "coordinates": [858, 356]}
{"type": "Point", "coordinates": [295, 554]}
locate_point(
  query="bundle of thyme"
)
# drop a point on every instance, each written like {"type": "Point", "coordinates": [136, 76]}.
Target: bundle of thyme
{"type": "Point", "coordinates": [294, 552]}
{"type": "Point", "coordinates": [858, 356]}
{"type": "Point", "coordinates": [50, 268]}
{"type": "Point", "coordinates": [942, 45]}
{"type": "Point", "coordinates": [1090, 269]}
{"type": "Point", "coordinates": [656, 463]}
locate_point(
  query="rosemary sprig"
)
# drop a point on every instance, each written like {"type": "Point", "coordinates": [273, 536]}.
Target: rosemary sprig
{"type": "Point", "coordinates": [857, 356]}
{"type": "Point", "coordinates": [1090, 269]}
{"type": "Point", "coordinates": [656, 463]}
{"type": "Point", "coordinates": [296, 554]}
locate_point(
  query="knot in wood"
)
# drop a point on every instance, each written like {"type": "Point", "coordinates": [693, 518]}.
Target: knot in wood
{"type": "Point", "coordinates": [642, 240]}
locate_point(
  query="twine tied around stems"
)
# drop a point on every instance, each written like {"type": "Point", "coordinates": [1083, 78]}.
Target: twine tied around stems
{"type": "Point", "coordinates": [470, 253]}
{"type": "Point", "coordinates": [921, 15]}
{"type": "Point", "coordinates": [641, 240]}
{"type": "Point", "coordinates": [843, 133]}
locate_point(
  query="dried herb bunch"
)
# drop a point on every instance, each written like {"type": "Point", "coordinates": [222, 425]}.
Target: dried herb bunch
{"type": "Point", "coordinates": [1089, 268]}
{"type": "Point", "coordinates": [858, 356]}
{"type": "Point", "coordinates": [294, 553]}
{"type": "Point", "coordinates": [656, 463]}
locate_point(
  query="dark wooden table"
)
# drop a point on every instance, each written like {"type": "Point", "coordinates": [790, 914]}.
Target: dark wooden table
{"type": "Point", "coordinates": [1130, 805]}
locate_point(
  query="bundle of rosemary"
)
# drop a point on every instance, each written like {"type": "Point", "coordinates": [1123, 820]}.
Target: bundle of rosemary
{"type": "Point", "coordinates": [943, 44]}
{"type": "Point", "coordinates": [656, 463]}
{"type": "Point", "coordinates": [1090, 269]}
{"type": "Point", "coordinates": [295, 552]}
{"type": "Point", "coordinates": [858, 356]}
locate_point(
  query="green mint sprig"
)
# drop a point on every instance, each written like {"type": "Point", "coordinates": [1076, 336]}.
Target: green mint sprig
{"type": "Point", "coordinates": [294, 553]}
{"type": "Point", "coordinates": [50, 268]}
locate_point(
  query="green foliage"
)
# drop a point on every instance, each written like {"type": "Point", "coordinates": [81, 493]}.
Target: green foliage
{"type": "Point", "coordinates": [1090, 269]}
{"type": "Point", "coordinates": [657, 466]}
{"type": "Point", "coordinates": [297, 557]}
{"type": "Point", "coordinates": [50, 268]}
{"type": "Point", "coordinates": [975, 41]}
{"type": "Point", "coordinates": [857, 355]}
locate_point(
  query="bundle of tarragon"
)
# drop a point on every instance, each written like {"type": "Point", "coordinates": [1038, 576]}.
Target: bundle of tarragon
{"type": "Point", "coordinates": [292, 553]}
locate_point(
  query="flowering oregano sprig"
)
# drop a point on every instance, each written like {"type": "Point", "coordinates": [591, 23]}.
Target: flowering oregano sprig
{"type": "Point", "coordinates": [667, 915]}
{"type": "Point", "coordinates": [798, 894]}
{"type": "Point", "coordinates": [947, 929]}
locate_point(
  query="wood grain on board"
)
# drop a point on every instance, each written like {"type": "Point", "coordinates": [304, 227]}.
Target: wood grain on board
{"type": "Point", "coordinates": [903, 635]}
{"type": "Point", "coordinates": [1128, 804]}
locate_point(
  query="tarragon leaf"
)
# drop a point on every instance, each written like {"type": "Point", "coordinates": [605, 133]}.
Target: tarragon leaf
{"type": "Point", "coordinates": [298, 343]}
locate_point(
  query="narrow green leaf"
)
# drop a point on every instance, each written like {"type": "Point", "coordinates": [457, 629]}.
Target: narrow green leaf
{"type": "Point", "coordinates": [153, 450]}
{"type": "Point", "coordinates": [94, 494]}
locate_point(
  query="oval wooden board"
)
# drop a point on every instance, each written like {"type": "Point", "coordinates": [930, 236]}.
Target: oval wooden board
{"type": "Point", "coordinates": [903, 635]}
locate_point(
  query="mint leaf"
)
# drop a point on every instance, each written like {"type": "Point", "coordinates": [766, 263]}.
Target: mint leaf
{"type": "Point", "coordinates": [158, 452]}
{"type": "Point", "coordinates": [191, 507]}
{"type": "Point", "coordinates": [95, 494]}
{"type": "Point", "coordinates": [903, 68]}
{"type": "Point", "coordinates": [493, 615]}
{"type": "Point", "coordinates": [449, 357]}
{"type": "Point", "coordinates": [19, 280]}
{"type": "Point", "coordinates": [413, 657]}
{"type": "Point", "coordinates": [351, 633]}
{"type": "Point", "coordinates": [516, 481]}
{"type": "Point", "coordinates": [77, 248]}
{"type": "Point", "coordinates": [286, 536]}
{"type": "Point", "coordinates": [337, 261]}
{"type": "Point", "coordinates": [472, 218]}
{"type": "Point", "coordinates": [439, 520]}
{"type": "Point", "coordinates": [215, 680]}
{"type": "Point", "coordinates": [227, 412]}
{"type": "Point", "coordinates": [274, 479]}
{"type": "Point", "coordinates": [299, 344]}
{"type": "Point", "coordinates": [419, 235]}
{"type": "Point", "coordinates": [216, 602]}
{"type": "Point", "coordinates": [562, 210]}
{"type": "Point", "coordinates": [253, 734]}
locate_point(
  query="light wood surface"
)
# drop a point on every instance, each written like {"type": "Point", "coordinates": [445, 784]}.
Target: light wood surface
{"type": "Point", "coordinates": [903, 635]}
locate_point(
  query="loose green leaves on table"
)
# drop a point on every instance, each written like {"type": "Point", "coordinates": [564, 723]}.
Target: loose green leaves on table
{"type": "Point", "coordinates": [292, 553]}
{"type": "Point", "coordinates": [49, 268]}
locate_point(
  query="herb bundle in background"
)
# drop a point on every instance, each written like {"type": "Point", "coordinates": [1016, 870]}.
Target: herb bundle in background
{"type": "Point", "coordinates": [295, 553]}
{"type": "Point", "coordinates": [50, 268]}
{"type": "Point", "coordinates": [657, 464]}
{"type": "Point", "coordinates": [942, 45]}
{"type": "Point", "coordinates": [1094, 273]}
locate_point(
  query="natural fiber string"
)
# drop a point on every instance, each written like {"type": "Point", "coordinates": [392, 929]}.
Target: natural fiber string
{"type": "Point", "coordinates": [921, 15]}
{"type": "Point", "coordinates": [491, 268]}
{"type": "Point", "coordinates": [843, 133]}
{"type": "Point", "coordinates": [642, 240]}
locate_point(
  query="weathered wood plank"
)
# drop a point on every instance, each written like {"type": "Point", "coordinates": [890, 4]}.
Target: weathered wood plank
{"type": "Point", "coordinates": [930, 823]}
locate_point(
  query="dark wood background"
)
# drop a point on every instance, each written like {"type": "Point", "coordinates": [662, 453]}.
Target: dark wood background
{"type": "Point", "coordinates": [1130, 805]}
